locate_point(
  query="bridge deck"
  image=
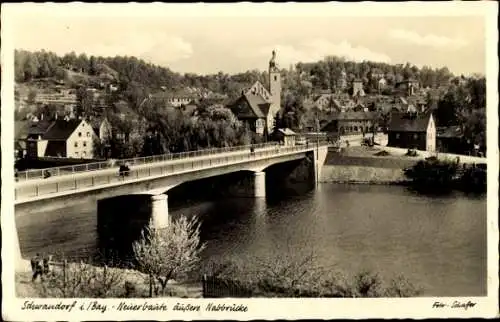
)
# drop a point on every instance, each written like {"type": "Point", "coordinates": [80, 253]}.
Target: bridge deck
{"type": "Point", "coordinates": [37, 189]}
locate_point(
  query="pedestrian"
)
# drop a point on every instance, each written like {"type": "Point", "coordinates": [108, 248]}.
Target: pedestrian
{"type": "Point", "coordinates": [47, 174]}
{"type": "Point", "coordinates": [46, 264]}
{"type": "Point", "coordinates": [36, 267]}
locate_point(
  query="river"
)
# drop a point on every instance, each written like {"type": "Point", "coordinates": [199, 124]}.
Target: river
{"type": "Point", "coordinates": [439, 243]}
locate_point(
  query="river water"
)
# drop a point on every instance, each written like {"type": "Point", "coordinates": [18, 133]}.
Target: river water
{"type": "Point", "coordinates": [439, 243]}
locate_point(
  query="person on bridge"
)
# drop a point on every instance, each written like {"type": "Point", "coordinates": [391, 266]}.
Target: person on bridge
{"type": "Point", "coordinates": [124, 170]}
{"type": "Point", "coordinates": [47, 174]}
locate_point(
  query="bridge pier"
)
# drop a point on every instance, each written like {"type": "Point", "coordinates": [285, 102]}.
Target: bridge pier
{"type": "Point", "coordinates": [259, 184]}
{"type": "Point", "coordinates": [319, 160]}
{"type": "Point", "coordinates": [159, 211]}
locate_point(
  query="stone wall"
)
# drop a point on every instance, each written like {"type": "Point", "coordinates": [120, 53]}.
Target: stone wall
{"type": "Point", "coordinates": [361, 174]}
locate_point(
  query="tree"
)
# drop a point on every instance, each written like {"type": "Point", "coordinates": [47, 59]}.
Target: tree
{"type": "Point", "coordinates": [171, 252]}
{"type": "Point", "coordinates": [85, 102]}
{"type": "Point", "coordinates": [31, 96]}
{"type": "Point", "coordinates": [92, 66]}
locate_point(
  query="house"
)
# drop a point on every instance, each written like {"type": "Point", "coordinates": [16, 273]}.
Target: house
{"type": "Point", "coordinates": [412, 131]}
{"type": "Point", "coordinates": [382, 83]}
{"type": "Point", "coordinates": [252, 110]}
{"type": "Point", "coordinates": [342, 83]}
{"type": "Point", "coordinates": [408, 87]}
{"type": "Point", "coordinates": [101, 127]}
{"type": "Point", "coordinates": [451, 140]}
{"type": "Point", "coordinates": [350, 122]}
{"type": "Point", "coordinates": [375, 74]}
{"type": "Point", "coordinates": [286, 136]}
{"type": "Point", "coordinates": [65, 139]}
{"type": "Point", "coordinates": [357, 88]}
{"type": "Point", "coordinates": [176, 98]}
{"type": "Point", "coordinates": [20, 136]}
{"type": "Point", "coordinates": [259, 106]}
{"type": "Point", "coordinates": [324, 102]}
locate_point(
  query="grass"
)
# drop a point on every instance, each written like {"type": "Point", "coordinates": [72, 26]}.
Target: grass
{"type": "Point", "coordinates": [26, 288]}
{"type": "Point", "coordinates": [367, 156]}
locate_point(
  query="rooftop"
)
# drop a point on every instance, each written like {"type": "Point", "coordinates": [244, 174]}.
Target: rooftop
{"type": "Point", "coordinates": [404, 122]}
{"type": "Point", "coordinates": [61, 129]}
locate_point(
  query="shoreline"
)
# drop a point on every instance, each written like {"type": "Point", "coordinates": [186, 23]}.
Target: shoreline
{"type": "Point", "coordinates": [25, 288]}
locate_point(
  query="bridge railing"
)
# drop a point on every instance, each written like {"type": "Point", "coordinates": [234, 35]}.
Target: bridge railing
{"type": "Point", "coordinates": [71, 169]}
{"type": "Point", "coordinates": [96, 179]}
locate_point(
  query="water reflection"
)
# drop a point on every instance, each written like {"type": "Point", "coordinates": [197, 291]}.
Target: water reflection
{"type": "Point", "coordinates": [438, 243]}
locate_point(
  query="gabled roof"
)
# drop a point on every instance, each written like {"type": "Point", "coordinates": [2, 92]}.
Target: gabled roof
{"type": "Point", "coordinates": [403, 122]}
{"type": "Point", "coordinates": [61, 129]}
{"type": "Point", "coordinates": [96, 123]}
{"type": "Point", "coordinates": [39, 128]}
{"type": "Point", "coordinates": [258, 106]}
{"type": "Point", "coordinates": [351, 115]}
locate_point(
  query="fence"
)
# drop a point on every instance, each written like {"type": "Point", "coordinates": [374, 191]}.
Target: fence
{"type": "Point", "coordinates": [214, 287]}
{"type": "Point", "coordinates": [71, 169]}
{"type": "Point", "coordinates": [425, 154]}
{"type": "Point", "coordinates": [30, 189]}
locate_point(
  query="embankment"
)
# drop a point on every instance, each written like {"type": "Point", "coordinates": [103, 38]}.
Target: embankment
{"type": "Point", "coordinates": [362, 174]}
{"type": "Point", "coordinates": [370, 170]}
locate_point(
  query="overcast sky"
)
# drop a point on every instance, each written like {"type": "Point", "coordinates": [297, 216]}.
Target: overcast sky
{"type": "Point", "coordinates": [207, 42]}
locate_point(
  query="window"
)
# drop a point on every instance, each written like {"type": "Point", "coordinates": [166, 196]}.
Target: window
{"type": "Point", "coordinates": [76, 153]}
{"type": "Point", "coordinates": [84, 153]}
{"type": "Point", "coordinates": [84, 143]}
{"type": "Point", "coordinates": [88, 134]}
{"type": "Point", "coordinates": [275, 78]}
{"type": "Point", "coordinates": [76, 144]}
{"type": "Point", "coordinates": [80, 134]}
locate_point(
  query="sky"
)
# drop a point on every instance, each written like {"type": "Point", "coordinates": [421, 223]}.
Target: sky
{"type": "Point", "coordinates": [206, 41]}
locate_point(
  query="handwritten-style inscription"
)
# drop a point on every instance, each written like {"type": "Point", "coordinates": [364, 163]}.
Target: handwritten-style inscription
{"type": "Point", "coordinates": [134, 306]}
{"type": "Point", "coordinates": [454, 305]}
{"type": "Point", "coordinates": [31, 305]}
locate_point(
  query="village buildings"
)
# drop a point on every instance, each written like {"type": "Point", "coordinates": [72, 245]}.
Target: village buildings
{"type": "Point", "coordinates": [351, 122]}
{"type": "Point", "coordinates": [412, 130]}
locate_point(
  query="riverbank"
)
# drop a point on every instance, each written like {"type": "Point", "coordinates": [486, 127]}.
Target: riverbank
{"type": "Point", "coordinates": [26, 288]}
{"type": "Point", "coordinates": [361, 165]}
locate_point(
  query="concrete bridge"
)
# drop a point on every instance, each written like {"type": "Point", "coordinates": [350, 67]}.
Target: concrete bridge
{"type": "Point", "coordinates": [155, 176]}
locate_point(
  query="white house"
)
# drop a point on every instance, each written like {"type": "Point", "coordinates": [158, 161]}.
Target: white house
{"type": "Point", "coordinates": [68, 139]}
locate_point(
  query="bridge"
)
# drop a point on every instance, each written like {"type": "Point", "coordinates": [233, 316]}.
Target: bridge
{"type": "Point", "coordinates": [155, 175]}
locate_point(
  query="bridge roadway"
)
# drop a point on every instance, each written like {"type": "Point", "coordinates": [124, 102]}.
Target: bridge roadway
{"type": "Point", "coordinates": [75, 183]}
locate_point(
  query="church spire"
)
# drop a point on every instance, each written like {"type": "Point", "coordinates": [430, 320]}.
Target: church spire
{"type": "Point", "coordinates": [272, 63]}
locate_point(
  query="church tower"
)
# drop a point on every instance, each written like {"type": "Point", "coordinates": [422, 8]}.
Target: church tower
{"type": "Point", "coordinates": [274, 84]}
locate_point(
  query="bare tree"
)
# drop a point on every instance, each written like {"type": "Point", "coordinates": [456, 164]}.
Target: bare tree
{"type": "Point", "coordinates": [169, 252]}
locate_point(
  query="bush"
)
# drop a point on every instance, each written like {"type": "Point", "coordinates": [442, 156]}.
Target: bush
{"type": "Point", "coordinates": [432, 174]}
{"type": "Point", "coordinates": [300, 277]}
{"type": "Point", "coordinates": [81, 280]}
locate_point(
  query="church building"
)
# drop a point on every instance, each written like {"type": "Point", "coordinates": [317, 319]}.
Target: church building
{"type": "Point", "coordinates": [258, 105]}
